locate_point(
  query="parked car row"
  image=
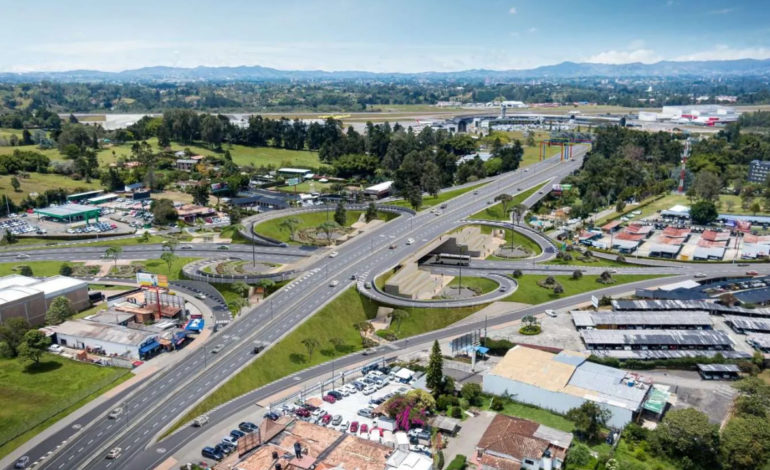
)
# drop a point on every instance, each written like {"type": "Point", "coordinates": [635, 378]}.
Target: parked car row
{"type": "Point", "coordinates": [229, 443]}
{"type": "Point", "coordinates": [19, 227]}
{"type": "Point", "coordinates": [96, 227]}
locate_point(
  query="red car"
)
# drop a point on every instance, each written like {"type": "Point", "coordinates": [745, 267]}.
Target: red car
{"type": "Point", "coordinates": [329, 398]}
{"type": "Point", "coordinates": [301, 412]}
{"type": "Point", "coordinates": [364, 428]}
{"type": "Point", "coordinates": [354, 427]}
{"type": "Point", "coordinates": [751, 273]}
{"type": "Point", "coordinates": [325, 420]}
{"type": "Point", "coordinates": [382, 432]}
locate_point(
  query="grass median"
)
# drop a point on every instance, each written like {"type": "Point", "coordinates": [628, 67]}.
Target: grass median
{"type": "Point", "coordinates": [529, 292]}
{"type": "Point", "coordinates": [39, 268]}
{"type": "Point", "coordinates": [272, 228]}
{"type": "Point", "coordinates": [430, 201]}
{"type": "Point", "coordinates": [495, 211]}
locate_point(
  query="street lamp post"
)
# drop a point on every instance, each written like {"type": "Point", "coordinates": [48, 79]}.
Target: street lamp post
{"type": "Point", "coordinates": [253, 253]}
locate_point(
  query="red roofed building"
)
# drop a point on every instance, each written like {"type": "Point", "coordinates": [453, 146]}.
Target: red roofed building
{"type": "Point", "coordinates": [646, 230]}
{"type": "Point", "coordinates": [630, 236]}
{"type": "Point", "coordinates": [612, 226]}
{"type": "Point", "coordinates": [673, 232]}
{"type": "Point", "coordinates": [714, 236]}
{"type": "Point", "coordinates": [513, 443]}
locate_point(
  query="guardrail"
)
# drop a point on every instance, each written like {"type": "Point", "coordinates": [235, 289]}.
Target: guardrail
{"type": "Point", "coordinates": [192, 271]}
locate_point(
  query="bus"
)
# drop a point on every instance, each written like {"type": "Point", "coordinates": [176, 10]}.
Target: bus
{"type": "Point", "coordinates": [454, 260]}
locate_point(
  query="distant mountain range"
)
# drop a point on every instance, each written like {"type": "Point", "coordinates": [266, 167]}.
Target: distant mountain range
{"type": "Point", "coordinates": [562, 71]}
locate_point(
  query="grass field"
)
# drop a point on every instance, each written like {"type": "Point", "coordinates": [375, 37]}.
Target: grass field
{"type": "Point", "coordinates": [495, 211]}
{"type": "Point", "coordinates": [39, 268]}
{"type": "Point", "coordinates": [37, 398]}
{"type": "Point", "coordinates": [304, 187]}
{"type": "Point", "coordinates": [529, 292]}
{"type": "Point", "coordinates": [518, 239]}
{"type": "Point", "coordinates": [273, 229]}
{"type": "Point", "coordinates": [600, 262]}
{"type": "Point", "coordinates": [40, 182]}
{"type": "Point", "coordinates": [539, 415]}
{"type": "Point", "coordinates": [481, 285]}
{"type": "Point", "coordinates": [160, 267]}
{"type": "Point", "coordinates": [430, 201]}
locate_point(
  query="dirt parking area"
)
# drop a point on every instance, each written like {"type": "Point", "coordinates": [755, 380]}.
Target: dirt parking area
{"type": "Point", "coordinates": [713, 397]}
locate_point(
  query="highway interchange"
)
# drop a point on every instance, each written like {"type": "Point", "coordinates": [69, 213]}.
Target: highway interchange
{"type": "Point", "coordinates": [159, 401]}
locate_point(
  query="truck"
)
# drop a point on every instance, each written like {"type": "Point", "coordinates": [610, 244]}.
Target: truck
{"type": "Point", "coordinates": [200, 421]}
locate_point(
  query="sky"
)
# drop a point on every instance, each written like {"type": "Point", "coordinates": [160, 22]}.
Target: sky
{"type": "Point", "coordinates": [374, 35]}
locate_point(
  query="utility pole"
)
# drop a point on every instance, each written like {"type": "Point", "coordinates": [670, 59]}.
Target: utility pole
{"type": "Point", "coordinates": [253, 253]}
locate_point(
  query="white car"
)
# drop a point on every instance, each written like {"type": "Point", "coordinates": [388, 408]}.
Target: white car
{"type": "Point", "coordinates": [334, 283]}
{"type": "Point", "coordinates": [369, 390]}
{"type": "Point", "coordinates": [551, 313]}
{"type": "Point", "coordinates": [55, 348]}
{"type": "Point", "coordinates": [114, 453]}
{"type": "Point", "coordinates": [115, 414]}
{"type": "Point", "coordinates": [409, 241]}
{"type": "Point", "coordinates": [22, 256]}
{"type": "Point", "coordinates": [333, 254]}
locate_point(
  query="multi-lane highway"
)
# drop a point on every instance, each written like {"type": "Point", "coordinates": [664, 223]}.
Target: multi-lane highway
{"type": "Point", "coordinates": [164, 398]}
{"type": "Point", "coordinates": [161, 400]}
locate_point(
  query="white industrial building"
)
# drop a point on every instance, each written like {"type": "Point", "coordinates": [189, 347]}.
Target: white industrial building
{"type": "Point", "coordinates": [28, 297]}
{"type": "Point", "coordinates": [104, 338]}
{"type": "Point", "coordinates": [705, 114]}
{"type": "Point", "coordinates": [560, 382]}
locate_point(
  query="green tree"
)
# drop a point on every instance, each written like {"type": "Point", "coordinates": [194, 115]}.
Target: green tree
{"type": "Point", "coordinates": [518, 212]}
{"type": "Point", "coordinates": [703, 212]}
{"type": "Point", "coordinates": [579, 455]}
{"type": "Point", "coordinates": [113, 252]}
{"type": "Point", "coordinates": [200, 194]}
{"type": "Point", "coordinates": [577, 274]}
{"type": "Point", "coordinates": [33, 346]}
{"type": "Point", "coordinates": [472, 393]}
{"type": "Point", "coordinates": [364, 328]}
{"type": "Point", "coordinates": [340, 213]}
{"type": "Point", "coordinates": [707, 186]}
{"type": "Point", "coordinates": [12, 332]}
{"type": "Point", "coordinates": [589, 418]}
{"type": "Point", "coordinates": [398, 315]}
{"type": "Point", "coordinates": [168, 258]}
{"type": "Point", "coordinates": [163, 211]}
{"type": "Point", "coordinates": [745, 443]}
{"type": "Point", "coordinates": [10, 237]}
{"type": "Point", "coordinates": [414, 196]}
{"type": "Point", "coordinates": [16, 184]}
{"type": "Point", "coordinates": [65, 269]}
{"type": "Point", "coordinates": [290, 225]}
{"type": "Point", "coordinates": [687, 435]}
{"type": "Point", "coordinates": [505, 200]}
{"type": "Point", "coordinates": [59, 310]}
{"type": "Point", "coordinates": [755, 207]}
{"type": "Point", "coordinates": [310, 344]}
{"type": "Point", "coordinates": [328, 229]}
{"type": "Point", "coordinates": [169, 245]}
{"type": "Point", "coordinates": [434, 376]}
{"type": "Point", "coordinates": [337, 342]}
{"type": "Point", "coordinates": [235, 305]}
{"type": "Point", "coordinates": [25, 270]}
{"type": "Point", "coordinates": [240, 288]}
{"type": "Point", "coordinates": [371, 212]}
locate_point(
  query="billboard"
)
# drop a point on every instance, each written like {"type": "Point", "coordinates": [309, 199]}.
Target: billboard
{"type": "Point", "coordinates": [293, 181]}
{"type": "Point", "coordinates": [151, 280]}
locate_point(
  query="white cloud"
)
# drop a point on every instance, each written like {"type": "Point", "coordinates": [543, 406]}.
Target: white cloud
{"type": "Point", "coordinates": [721, 11]}
{"type": "Point", "coordinates": [532, 30]}
{"type": "Point", "coordinates": [723, 52]}
{"type": "Point", "coordinates": [647, 56]}
{"type": "Point", "coordinates": [512, 11]}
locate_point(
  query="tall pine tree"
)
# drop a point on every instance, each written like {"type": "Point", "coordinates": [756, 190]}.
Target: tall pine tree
{"type": "Point", "coordinates": [434, 376]}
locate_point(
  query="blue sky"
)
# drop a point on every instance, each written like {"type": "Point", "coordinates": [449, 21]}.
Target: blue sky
{"type": "Point", "coordinates": [375, 35]}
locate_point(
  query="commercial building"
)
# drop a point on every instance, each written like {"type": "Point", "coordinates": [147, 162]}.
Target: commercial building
{"type": "Point", "coordinates": [563, 381]}
{"type": "Point", "coordinates": [758, 171]}
{"type": "Point", "coordinates": [719, 371]}
{"type": "Point", "coordinates": [630, 320]}
{"type": "Point", "coordinates": [510, 442]}
{"type": "Point", "coordinates": [379, 190]}
{"type": "Point", "coordinates": [657, 339]}
{"type": "Point", "coordinates": [29, 298]}
{"type": "Point", "coordinates": [105, 339]}
{"type": "Point", "coordinates": [77, 197]}
{"type": "Point", "coordinates": [745, 325]}
{"type": "Point", "coordinates": [704, 114]}
{"type": "Point", "coordinates": [668, 305]}
{"type": "Point", "coordinates": [70, 213]}
{"type": "Point", "coordinates": [301, 173]}
{"type": "Point", "coordinates": [186, 164]}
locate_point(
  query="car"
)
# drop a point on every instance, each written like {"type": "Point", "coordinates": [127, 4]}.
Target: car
{"type": "Point", "coordinates": [503, 289]}
{"type": "Point", "coordinates": [114, 453]}
{"type": "Point", "coordinates": [201, 420]}
{"type": "Point", "coordinates": [22, 256]}
{"type": "Point", "coordinates": [115, 413]}
{"type": "Point", "coordinates": [336, 394]}
{"type": "Point", "coordinates": [211, 453]}
{"type": "Point", "coordinates": [751, 273]}
{"type": "Point", "coordinates": [333, 254]}
{"type": "Point", "coordinates": [329, 399]}
{"type": "Point", "coordinates": [700, 274]}
{"type": "Point", "coordinates": [409, 241]}
{"type": "Point", "coordinates": [392, 246]}
{"type": "Point", "coordinates": [365, 412]}
{"type": "Point", "coordinates": [334, 283]}
{"type": "Point", "coordinates": [354, 427]}
{"type": "Point", "coordinates": [22, 462]}
{"type": "Point", "coordinates": [489, 202]}
{"type": "Point", "coordinates": [272, 415]}
{"type": "Point", "coordinates": [336, 420]}
{"type": "Point", "coordinates": [613, 271]}
{"type": "Point", "coordinates": [223, 247]}
{"type": "Point", "coordinates": [302, 413]}
{"type": "Point", "coordinates": [217, 348]}
{"type": "Point", "coordinates": [224, 449]}
{"type": "Point", "coordinates": [236, 434]}
{"type": "Point", "coordinates": [540, 192]}
{"type": "Point", "coordinates": [200, 295]}
{"type": "Point", "coordinates": [368, 352]}
{"type": "Point", "coordinates": [551, 313]}
{"type": "Point", "coordinates": [369, 390]}
{"type": "Point", "coordinates": [743, 265]}
{"type": "Point", "coordinates": [353, 277]}
{"type": "Point", "coordinates": [186, 247]}
{"type": "Point", "coordinates": [55, 348]}
{"type": "Point", "coordinates": [476, 191]}
{"type": "Point", "coordinates": [364, 428]}
{"type": "Point", "coordinates": [247, 426]}
{"type": "Point", "coordinates": [229, 440]}
{"type": "Point", "coordinates": [526, 170]}
{"type": "Point", "coordinates": [367, 285]}
{"type": "Point", "coordinates": [344, 426]}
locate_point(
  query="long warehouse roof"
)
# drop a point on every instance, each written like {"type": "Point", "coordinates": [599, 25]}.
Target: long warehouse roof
{"type": "Point", "coordinates": [584, 319]}
{"type": "Point", "coordinates": [657, 337]}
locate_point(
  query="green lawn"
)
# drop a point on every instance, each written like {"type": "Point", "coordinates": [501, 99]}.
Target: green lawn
{"type": "Point", "coordinates": [39, 268]}
{"type": "Point", "coordinates": [32, 400]}
{"type": "Point", "coordinates": [92, 310]}
{"type": "Point", "coordinates": [518, 239]}
{"type": "Point", "coordinates": [305, 187]}
{"type": "Point", "coordinates": [598, 262]}
{"type": "Point", "coordinates": [495, 211]}
{"type": "Point", "coordinates": [40, 182]}
{"type": "Point", "coordinates": [272, 228]}
{"type": "Point", "coordinates": [430, 201]}
{"type": "Point", "coordinates": [529, 292]}
{"type": "Point", "coordinates": [481, 285]}
{"type": "Point", "coordinates": [539, 415]}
